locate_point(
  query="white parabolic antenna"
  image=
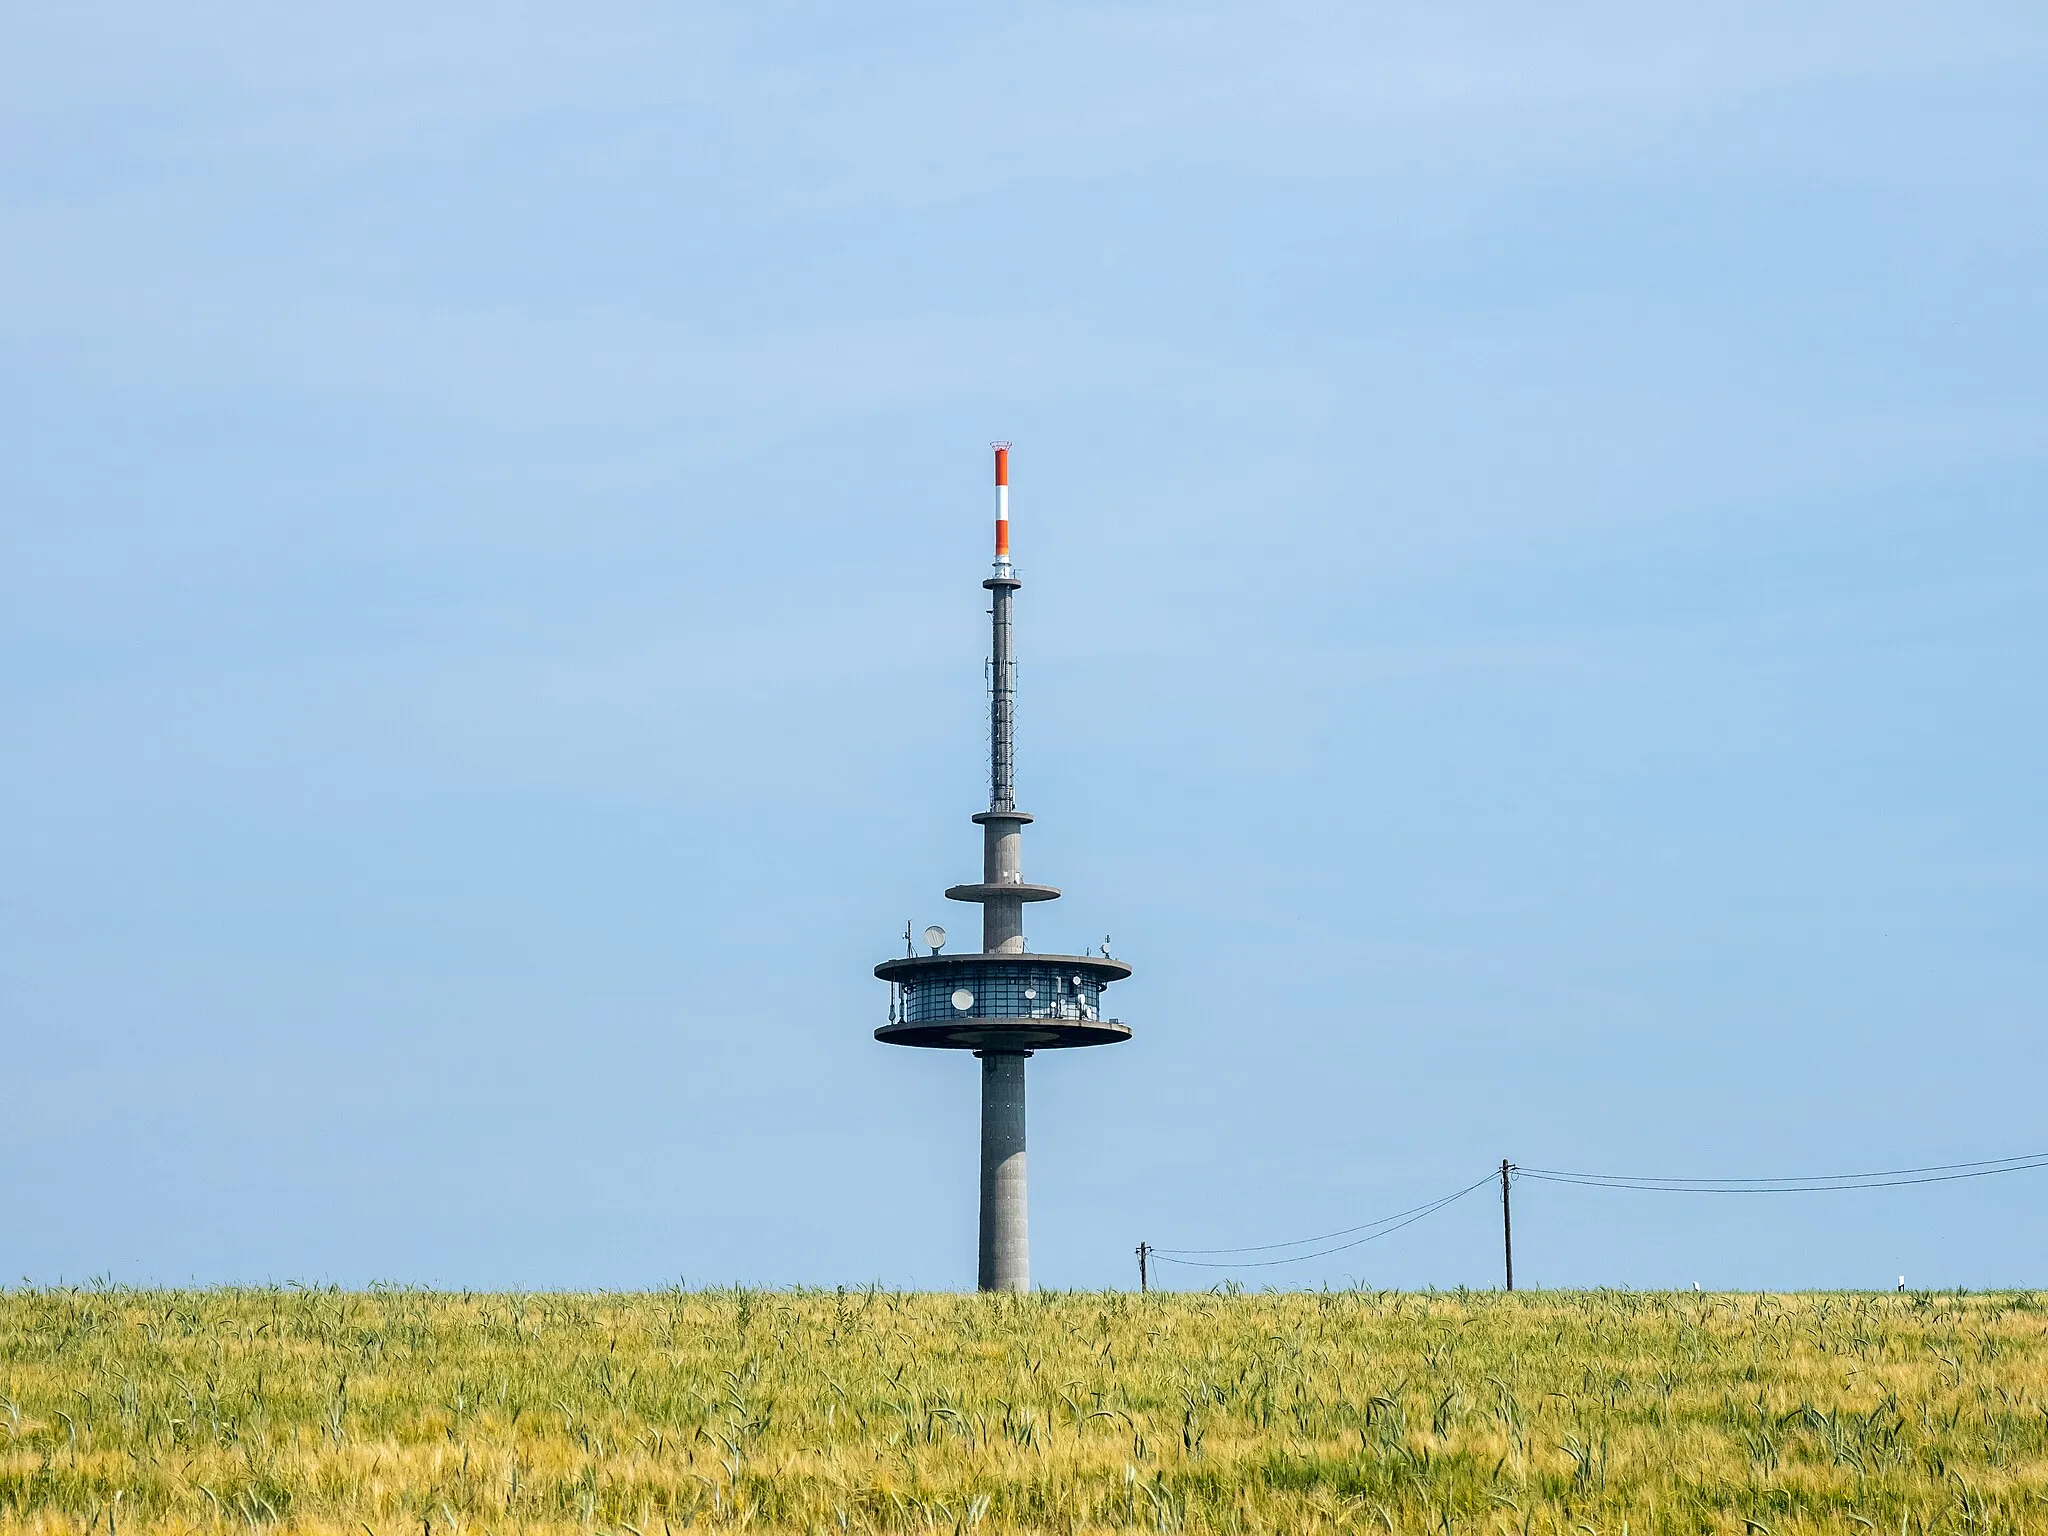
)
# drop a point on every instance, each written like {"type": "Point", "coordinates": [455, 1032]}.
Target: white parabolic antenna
{"type": "Point", "coordinates": [963, 999]}
{"type": "Point", "coordinates": [935, 936]}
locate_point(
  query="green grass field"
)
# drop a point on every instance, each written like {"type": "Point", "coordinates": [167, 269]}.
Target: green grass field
{"type": "Point", "coordinates": [406, 1411]}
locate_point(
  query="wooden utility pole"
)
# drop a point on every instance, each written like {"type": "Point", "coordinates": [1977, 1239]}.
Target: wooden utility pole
{"type": "Point", "coordinates": [1507, 1226]}
{"type": "Point", "coordinates": [1144, 1281]}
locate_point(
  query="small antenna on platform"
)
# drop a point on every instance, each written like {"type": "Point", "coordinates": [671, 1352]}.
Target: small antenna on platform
{"type": "Point", "coordinates": [936, 937]}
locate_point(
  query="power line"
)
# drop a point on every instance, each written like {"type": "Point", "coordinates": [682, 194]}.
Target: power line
{"type": "Point", "coordinates": [1299, 1242]}
{"type": "Point", "coordinates": [1406, 1219]}
{"type": "Point", "coordinates": [1792, 1184]}
{"type": "Point", "coordinates": [1990, 1163]}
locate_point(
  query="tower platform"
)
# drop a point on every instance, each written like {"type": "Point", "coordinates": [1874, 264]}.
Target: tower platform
{"type": "Point", "coordinates": [1001, 1002]}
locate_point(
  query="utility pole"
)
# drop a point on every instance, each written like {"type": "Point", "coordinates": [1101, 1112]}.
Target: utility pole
{"type": "Point", "coordinates": [1144, 1252]}
{"type": "Point", "coordinates": [1507, 1227]}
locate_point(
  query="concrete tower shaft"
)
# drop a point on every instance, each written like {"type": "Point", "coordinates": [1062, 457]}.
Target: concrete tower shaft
{"type": "Point", "coordinates": [1005, 1247]}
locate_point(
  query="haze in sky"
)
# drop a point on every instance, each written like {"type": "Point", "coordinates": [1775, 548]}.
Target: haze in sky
{"type": "Point", "coordinates": [1532, 638]}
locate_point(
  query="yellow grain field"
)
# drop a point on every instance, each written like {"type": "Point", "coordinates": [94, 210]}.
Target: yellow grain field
{"type": "Point", "coordinates": [401, 1411]}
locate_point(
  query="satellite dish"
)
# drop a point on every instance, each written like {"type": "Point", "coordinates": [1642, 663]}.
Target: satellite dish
{"type": "Point", "coordinates": [962, 999]}
{"type": "Point", "coordinates": [1031, 994]}
{"type": "Point", "coordinates": [936, 937]}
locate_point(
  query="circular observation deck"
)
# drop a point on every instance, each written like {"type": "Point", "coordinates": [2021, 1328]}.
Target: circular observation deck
{"type": "Point", "coordinates": [1001, 1002]}
{"type": "Point", "coordinates": [1016, 890]}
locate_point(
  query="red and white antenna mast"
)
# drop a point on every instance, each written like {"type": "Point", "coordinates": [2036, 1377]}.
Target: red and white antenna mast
{"type": "Point", "coordinates": [1002, 504]}
{"type": "Point", "coordinates": [1002, 729]}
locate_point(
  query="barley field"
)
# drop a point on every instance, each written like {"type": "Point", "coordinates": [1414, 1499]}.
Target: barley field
{"type": "Point", "coordinates": [400, 1411]}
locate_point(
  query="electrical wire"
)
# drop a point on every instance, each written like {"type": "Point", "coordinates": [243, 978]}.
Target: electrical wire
{"type": "Point", "coordinates": [1792, 1184]}
{"type": "Point", "coordinates": [1405, 1219]}
{"type": "Point", "coordinates": [1301, 1242]}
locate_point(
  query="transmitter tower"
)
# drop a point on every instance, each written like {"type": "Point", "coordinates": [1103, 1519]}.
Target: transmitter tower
{"type": "Point", "coordinates": [1005, 1002]}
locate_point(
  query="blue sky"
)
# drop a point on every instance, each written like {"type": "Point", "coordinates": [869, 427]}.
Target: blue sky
{"type": "Point", "coordinates": [1532, 641]}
